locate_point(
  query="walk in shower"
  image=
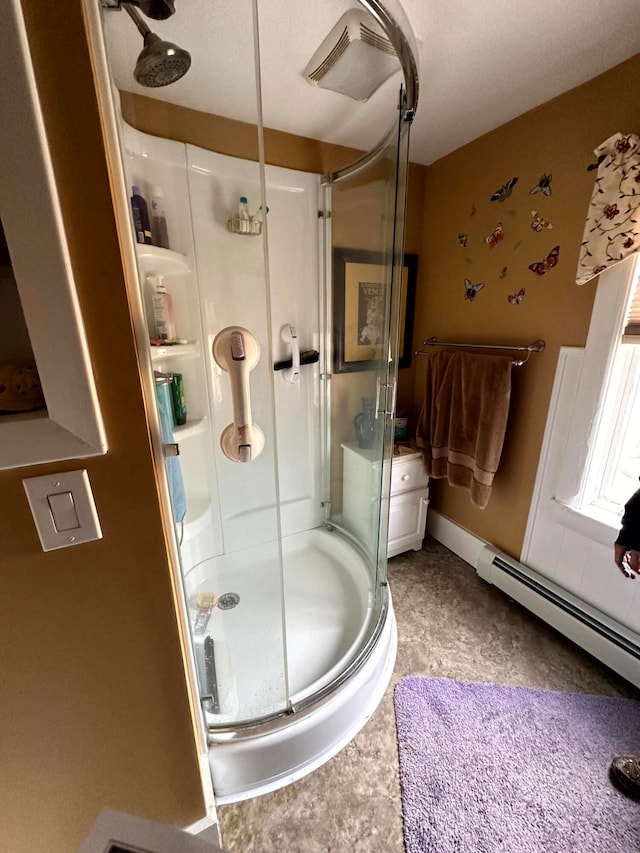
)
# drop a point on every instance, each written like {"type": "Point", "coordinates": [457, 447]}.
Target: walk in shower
{"type": "Point", "coordinates": [269, 259]}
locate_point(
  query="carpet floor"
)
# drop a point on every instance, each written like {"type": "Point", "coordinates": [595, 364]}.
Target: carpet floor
{"type": "Point", "coordinates": [486, 767]}
{"type": "Point", "coordinates": [451, 624]}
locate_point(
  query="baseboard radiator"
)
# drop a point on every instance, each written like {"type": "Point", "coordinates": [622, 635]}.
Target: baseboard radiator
{"type": "Point", "coordinates": [607, 640]}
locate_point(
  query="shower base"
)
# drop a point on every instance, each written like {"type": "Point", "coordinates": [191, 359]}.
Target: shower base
{"type": "Point", "coordinates": [328, 602]}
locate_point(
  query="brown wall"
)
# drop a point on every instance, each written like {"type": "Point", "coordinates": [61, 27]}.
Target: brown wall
{"type": "Point", "coordinates": [557, 138]}
{"type": "Point", "coordinates": [94, 708]}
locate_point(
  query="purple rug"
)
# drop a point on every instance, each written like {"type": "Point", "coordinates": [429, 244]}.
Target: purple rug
{"type": "Point", "coordinates": [487, 768]}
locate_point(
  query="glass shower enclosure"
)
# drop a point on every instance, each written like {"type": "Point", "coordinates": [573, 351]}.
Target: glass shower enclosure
{"type": "Point", "coordinates": [268, 300]}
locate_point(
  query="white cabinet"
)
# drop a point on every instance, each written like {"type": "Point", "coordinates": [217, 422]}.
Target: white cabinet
{"type": "Point", "coordinates": [407, 504]}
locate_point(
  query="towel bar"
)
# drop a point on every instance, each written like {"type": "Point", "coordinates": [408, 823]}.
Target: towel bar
{"type": "Point", "coordinates": [536, 346]}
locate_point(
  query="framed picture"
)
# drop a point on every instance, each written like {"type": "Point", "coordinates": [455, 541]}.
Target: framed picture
{"type": "Point", "coordinates": [359, 281]}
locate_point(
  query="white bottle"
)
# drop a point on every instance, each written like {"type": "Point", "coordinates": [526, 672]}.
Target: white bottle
{"type": "Point", "coordinates": [158, 219]}
{"type": "Point", "coordinates": [162, 309]}
{"type": "Point", "coordinates": [243, 214]}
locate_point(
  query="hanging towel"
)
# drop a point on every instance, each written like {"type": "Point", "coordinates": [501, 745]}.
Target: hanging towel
{"type": "Point", "coordinates": [463, 420]}
{"type": "Point", "coordinates": [174, 471]}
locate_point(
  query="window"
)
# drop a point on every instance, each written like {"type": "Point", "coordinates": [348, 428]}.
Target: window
{"type": "Point", "coordinates": [602, 466]}
{"type": "Point", "coordinates": [613, 474]}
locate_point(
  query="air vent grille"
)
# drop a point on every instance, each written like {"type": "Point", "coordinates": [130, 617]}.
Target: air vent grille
{"type": "Point", "coordinates": [376, 40]}
{"type": "Point", "coordinates": [330, 60]}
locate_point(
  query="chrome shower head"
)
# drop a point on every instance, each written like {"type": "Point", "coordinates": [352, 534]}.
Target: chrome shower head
{"type": "Point", "coordinates": [160, 62]}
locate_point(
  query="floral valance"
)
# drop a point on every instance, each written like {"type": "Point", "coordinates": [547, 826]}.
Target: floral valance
{"type": "Point", "coordinates": [612, 229]}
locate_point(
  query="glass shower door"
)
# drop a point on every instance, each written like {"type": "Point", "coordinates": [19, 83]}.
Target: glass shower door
{"type": "Point", "coordinates": [207, 167]}
{"type": "Point", "coordinates": [366, 260]}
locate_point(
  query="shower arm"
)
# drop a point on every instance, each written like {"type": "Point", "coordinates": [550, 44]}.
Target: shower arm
{"type": "Point", "coordinates": [158, 10]}
{"type": "Point", "coordinates": [135, 16]}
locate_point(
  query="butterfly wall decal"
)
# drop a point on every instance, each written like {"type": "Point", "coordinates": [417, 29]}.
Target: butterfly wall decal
{"type": "Point", "coordinates": [496, 235]}
{"type": "Point", "coordinates": [517, 298]}
{"type": "Point", "coordinates": [543, 186]}
{"type": "Point", "coordinates": [505, 191]}
{"type": "Point", "coordinates": [471, 290]}
{"type": "Point", "coordinates": [463, 239]}
{"type": "Point", "coordinates": [540, 267]}
{"type": "Point", "coordinates": [473, 210]}
{"type": "Point", "coordinates": [538, 223]}
{"type": "Point", "coordinates": [503, 272]}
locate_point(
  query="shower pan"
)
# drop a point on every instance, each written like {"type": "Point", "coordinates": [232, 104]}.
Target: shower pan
{"type": "Point", "coordinates": [291, 631]}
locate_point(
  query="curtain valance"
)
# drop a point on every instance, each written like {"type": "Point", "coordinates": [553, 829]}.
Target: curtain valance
{"type": "Point", "coordinates": [612, 229]}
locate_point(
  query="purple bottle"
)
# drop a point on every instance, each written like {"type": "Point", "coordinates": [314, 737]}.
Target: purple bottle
{"type": "Point", "coordinates": [141, 221]}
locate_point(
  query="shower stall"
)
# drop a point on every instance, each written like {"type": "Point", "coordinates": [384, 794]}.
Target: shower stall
{"type": "Point", "coordinates": [266, 309]}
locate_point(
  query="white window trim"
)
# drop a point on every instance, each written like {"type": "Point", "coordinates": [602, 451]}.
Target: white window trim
{"type": "Point", "coordinates": [571, 502]}
{"type": "Point", "coordinates": [593, 523]}
{"type": "Point", "coordinates": [72, 425]}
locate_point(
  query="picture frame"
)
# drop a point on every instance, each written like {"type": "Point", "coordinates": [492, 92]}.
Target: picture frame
{"type": "Point", "coordinates": [358, 310]}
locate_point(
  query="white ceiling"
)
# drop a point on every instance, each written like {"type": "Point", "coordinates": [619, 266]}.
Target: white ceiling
{"type": "Point", "coordinates": [481, 63]}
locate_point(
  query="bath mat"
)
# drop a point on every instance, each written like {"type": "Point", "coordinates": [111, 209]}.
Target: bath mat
{"type": "Point", "coordinates": [486, 768]}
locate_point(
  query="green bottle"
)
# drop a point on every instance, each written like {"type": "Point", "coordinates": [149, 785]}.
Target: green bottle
{"type": "Point", "coordinates": [177, 398]}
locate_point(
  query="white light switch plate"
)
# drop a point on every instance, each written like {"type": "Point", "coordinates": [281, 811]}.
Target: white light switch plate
{"type": "Point", "coordinates": [39, 491]}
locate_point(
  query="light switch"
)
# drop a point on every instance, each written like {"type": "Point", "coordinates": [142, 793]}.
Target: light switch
{"type": "Point", "coordinates": [63, 509]}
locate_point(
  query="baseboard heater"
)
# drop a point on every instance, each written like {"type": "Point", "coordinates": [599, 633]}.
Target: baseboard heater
{"type": "Point", "coordinates": [607, 640]}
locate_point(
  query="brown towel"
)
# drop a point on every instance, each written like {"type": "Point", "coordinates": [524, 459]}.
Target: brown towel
{"type": "Point", "coordinates": [463, 419]}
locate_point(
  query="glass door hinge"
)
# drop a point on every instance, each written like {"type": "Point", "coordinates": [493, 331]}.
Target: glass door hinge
{"type": "Point", "coordinates": [324, 214]}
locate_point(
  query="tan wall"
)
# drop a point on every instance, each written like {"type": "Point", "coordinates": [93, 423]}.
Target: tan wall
{"type": "Point", "coordinates": [557, 138]}
{"type": "Point", "coordinates": [94, 708]}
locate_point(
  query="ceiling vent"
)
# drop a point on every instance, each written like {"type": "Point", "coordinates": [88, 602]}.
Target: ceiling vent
{"type": "Point", "coordinates": [354, 59]}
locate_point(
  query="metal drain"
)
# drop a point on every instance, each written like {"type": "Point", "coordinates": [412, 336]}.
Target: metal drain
{"type": "Point", "coordinates": [228, 600]}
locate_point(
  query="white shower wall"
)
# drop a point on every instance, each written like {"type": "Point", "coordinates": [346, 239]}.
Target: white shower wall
{"type": "Point", "coordinates": [231, 271]}
{"type": "Point", "coordinates": [232, 506]}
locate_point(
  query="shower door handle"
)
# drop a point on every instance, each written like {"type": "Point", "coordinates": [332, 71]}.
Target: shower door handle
{"type": "Point", "coordinates": [387, 410]}
{"type": "Point", "coordinates": [290, 336]}
{"type": "Point", "coordinates": [237, 352]}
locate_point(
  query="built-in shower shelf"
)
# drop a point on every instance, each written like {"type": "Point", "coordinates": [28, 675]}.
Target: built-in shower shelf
{"type": "Point", "coordinates": [191, 350]}
{"type": "Point", "coordinates": [194, 427]}
{"type": "Point", "coordinates": [154, 259]}
{"type": "Point", "coordinates": [198, 517]}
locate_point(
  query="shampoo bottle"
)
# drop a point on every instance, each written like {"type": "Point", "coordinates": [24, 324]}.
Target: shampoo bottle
{"type": "Point", "coordinates": [162, 309]}
{"type": "Point", "coordinates": [140, 217]}
{"type": "Point", "coordinates": [243, 215]}
{"type": "Point", "coordinates": [158, 219]}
